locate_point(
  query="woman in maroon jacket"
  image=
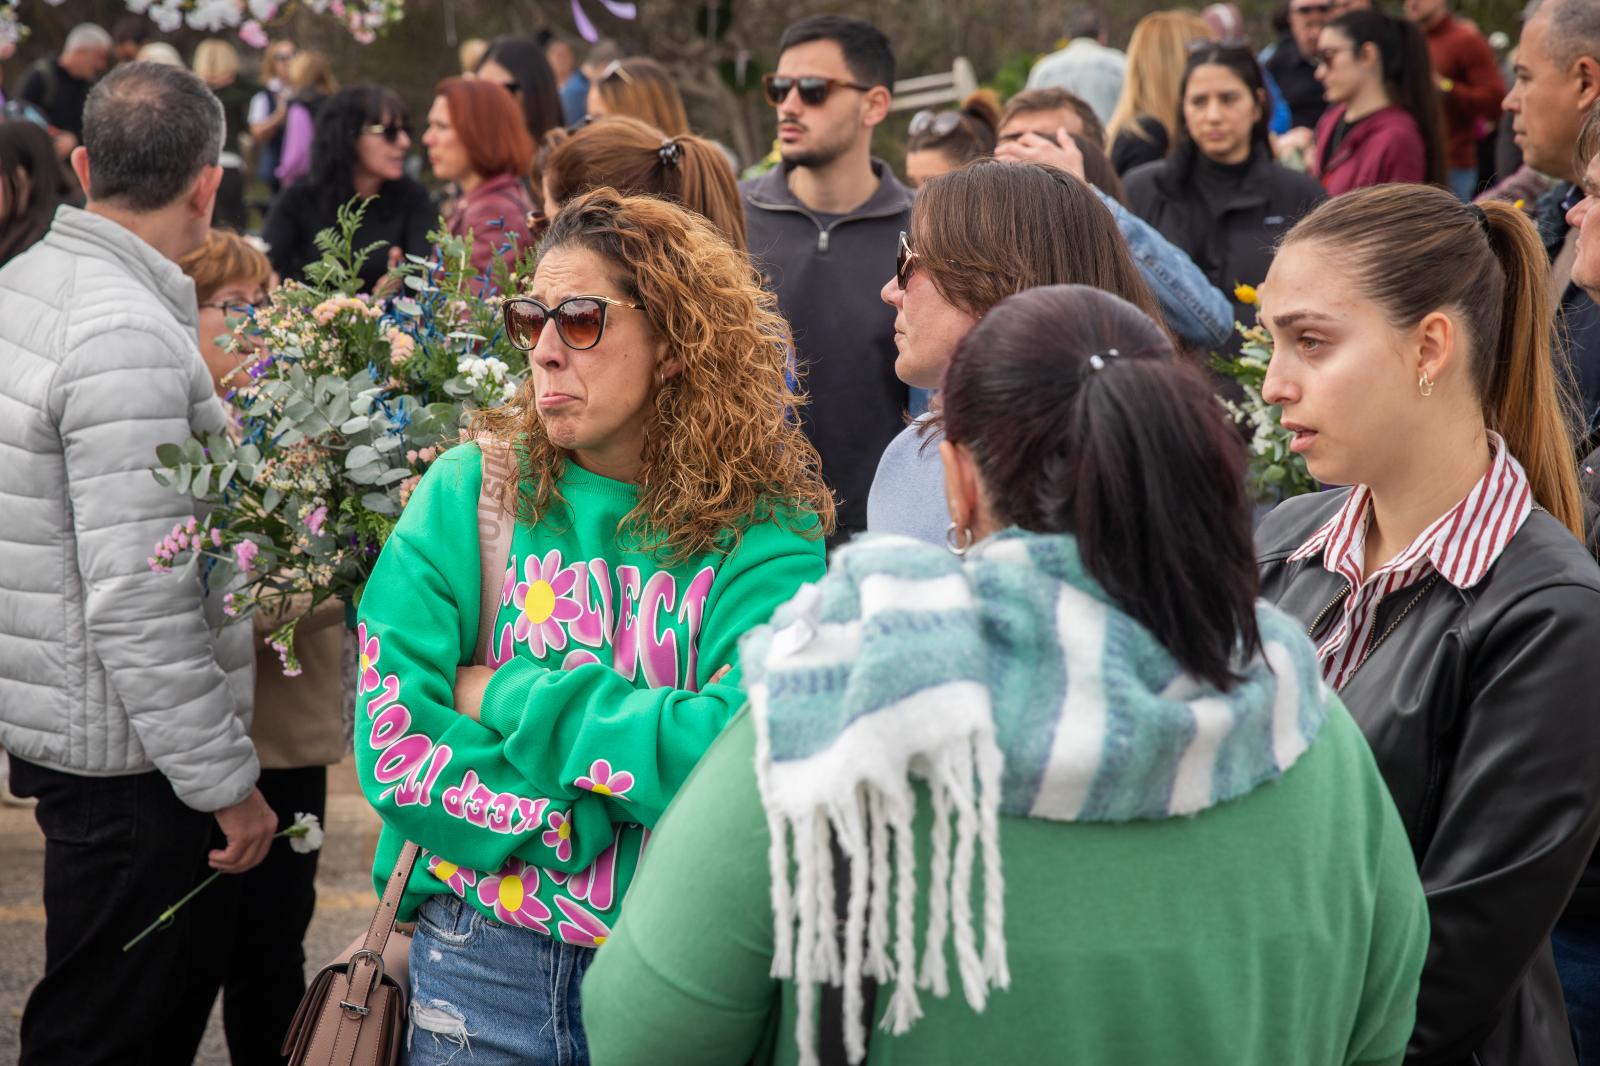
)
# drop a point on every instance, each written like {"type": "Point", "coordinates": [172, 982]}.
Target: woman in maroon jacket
{"type": "Point", "coordinates": [476, 138]}
{"type": "Point", "coordinates": [1385, 124]}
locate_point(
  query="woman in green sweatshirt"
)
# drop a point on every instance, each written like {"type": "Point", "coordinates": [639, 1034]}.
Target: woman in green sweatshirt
{"type": "Point", "coordinates": [666, 504]}
{"type": "Point", "coordinates": [1072, 770]}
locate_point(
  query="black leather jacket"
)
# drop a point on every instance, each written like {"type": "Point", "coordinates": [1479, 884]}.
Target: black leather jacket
{"type": "Point", "coordinates": [1483, 713]}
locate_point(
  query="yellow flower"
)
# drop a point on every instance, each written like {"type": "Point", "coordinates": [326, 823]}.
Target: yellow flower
{"type": "Point", "coordinates": [1246, 294]}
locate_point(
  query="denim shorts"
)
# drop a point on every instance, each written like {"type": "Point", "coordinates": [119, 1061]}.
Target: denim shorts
{"type": "Point", "coordinates": [487, 994]}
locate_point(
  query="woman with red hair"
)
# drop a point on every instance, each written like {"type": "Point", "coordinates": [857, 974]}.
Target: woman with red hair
{"type": "Point", "coordinates": [476, 138]}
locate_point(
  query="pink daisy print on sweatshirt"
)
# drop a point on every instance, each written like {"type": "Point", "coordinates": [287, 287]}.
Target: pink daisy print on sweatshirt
{"type": "Point", "coordinates": [368, 648]}
{"type": "Point", "coordinates": [510, 892]}
{"type": "Point", "coordinates": [604, 781]}
{"type": "Point", "coordinates": [458, 878]}
{"type": "Point", "coordinates": [544, 604]}
{"type": "Point", "coordinates": [581, 928]}
{"type": "Point", "coordinates": [559, 835]}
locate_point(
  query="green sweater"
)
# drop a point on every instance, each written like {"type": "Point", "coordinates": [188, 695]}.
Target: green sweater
{"type": "Point", "coordinates": [538, 815]}
{"type": "Point", "coordinates": [1286, 926]}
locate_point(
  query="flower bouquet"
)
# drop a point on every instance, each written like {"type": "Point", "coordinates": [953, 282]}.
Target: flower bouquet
{"type": "Point", "coordinates": [1275, 472]}
{"type": "Point", "coordinates": [341, 402]}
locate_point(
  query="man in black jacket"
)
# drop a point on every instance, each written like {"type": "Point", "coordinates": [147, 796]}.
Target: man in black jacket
{"type": "Point", "coordinates": [59, 85]}
{"type": "Point", "coordinates": [1293, 64]}
{"type": "Point", "coordinates": [824, 229]}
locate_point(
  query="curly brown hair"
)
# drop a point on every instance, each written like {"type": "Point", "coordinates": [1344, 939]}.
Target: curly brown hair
{"type": "Point", "coordinates": [723, 448]}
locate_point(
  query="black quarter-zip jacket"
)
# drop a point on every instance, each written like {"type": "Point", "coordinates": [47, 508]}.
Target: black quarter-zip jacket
{"type": "Point", "coordinates": [827, 277]}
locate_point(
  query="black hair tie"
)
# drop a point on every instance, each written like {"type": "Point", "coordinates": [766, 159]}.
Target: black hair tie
{"type": "Point", "coordinates": [1482, 217]}
{"type": "Point", "coordinates": [670, 152]}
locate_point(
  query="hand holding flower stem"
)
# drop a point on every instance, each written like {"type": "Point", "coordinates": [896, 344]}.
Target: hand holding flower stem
{"type": "Point", "coordinates": [304, 836]}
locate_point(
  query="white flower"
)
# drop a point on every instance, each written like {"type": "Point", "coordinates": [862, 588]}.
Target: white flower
{"type": "Point", "coordinates": [305, 835]}
{"type": "Point", "coordinates": [495, 368]}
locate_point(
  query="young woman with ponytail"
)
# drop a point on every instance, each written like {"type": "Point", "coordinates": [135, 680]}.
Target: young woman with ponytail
{"type": "Point", "coordinates": [637, 159]}
{"type": "Point", "coordinates": [1454, 606]}
{"type": "Point", "coordinates": [1386, 122]}
{"type": "Point", "coordinates": [1200, 863]}
{"type": "Point", "coordinates": [941, 141]}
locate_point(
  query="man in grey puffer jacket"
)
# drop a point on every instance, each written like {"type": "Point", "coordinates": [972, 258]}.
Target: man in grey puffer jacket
{"type": "Point", "coordinates": [125, 705]}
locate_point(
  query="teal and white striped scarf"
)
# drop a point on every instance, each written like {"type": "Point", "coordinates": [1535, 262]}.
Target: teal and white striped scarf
{"type": "Point", "coordinates": [1009, 682]}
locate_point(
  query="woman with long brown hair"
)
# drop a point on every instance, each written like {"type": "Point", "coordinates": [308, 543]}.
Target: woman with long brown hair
{"type": "Point", "coordinates": [666, 502]}
{"type": "Point", "coordinates": [1454, 606]}
{"type": "Point", "coordinates": [640, 88]}
{"type": "Point", "coordinates": [978, 235]}
{"type": "Point", "coordinates": [636, 159]}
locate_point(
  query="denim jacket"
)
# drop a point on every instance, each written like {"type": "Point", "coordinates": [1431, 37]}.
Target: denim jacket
{"type": "Point", "coordinates": [1192, 306]}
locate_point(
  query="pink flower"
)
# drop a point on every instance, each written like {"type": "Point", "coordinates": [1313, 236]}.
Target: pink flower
{"type": "Point", "coordinates": [407, 487]}
{"type": "Point", "coordinates": [459, 878]}
{"type": "Point", "coordinates": [228, 607]}
{"type": "Point", "coordinates": [315, 519]}
{"type": "Point", "coordinates": [401, 345]}
{"type": "Point", "coordinates": [216, 537]}
{"type": "Point", "coordinates": [601, 779]}
{"type": "Point", "coordinates": [511, 892]}
{"type": "Point", "coordinates": [368, 648]}
{"type": "Point", "coordinates": [244, 553]}
{"type": "Point", "coordinates": [543, 603]}
{"type": "Point", "coordinates": [559, 835]}
{"type": "Point", "coordinates": [581, 928]}
{"type": "Point", "coordinates": [188, 527]}
{"type": "Point", "coordinates": [253, 35]}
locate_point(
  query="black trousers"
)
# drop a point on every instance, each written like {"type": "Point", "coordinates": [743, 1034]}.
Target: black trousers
{"type": "Point", "coordinates": [118, 851]}
{"type": "Point", "coordinates": [255, 924]}
{"type": "Point", "coordinates": [265, 974]}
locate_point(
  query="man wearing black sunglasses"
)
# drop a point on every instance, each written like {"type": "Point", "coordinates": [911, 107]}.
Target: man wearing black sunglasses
{"type": "Point", "coordinates": [822, 227]}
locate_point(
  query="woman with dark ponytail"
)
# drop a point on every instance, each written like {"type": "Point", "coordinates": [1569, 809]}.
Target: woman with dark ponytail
{"type": "Point", "coordinates": [1454, 607]}
{"type": "Point", "coordinates": [1122, 734]}
{"type": "Point", "coordinates": [1386, 123]}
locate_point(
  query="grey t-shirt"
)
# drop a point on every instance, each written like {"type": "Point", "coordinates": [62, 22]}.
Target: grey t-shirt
{"type": "Point", "coordinates": [907, 494]}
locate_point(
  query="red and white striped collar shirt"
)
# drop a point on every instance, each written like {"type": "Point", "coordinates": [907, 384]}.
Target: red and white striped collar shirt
{"type": "Point", "coordinates": [1460, 546]}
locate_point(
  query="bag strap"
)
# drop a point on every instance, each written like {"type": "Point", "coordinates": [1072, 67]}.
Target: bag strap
{"type": "Point", "coordinates": [365, 969]}
{"type": "Point", "coordinates": [495, 525]}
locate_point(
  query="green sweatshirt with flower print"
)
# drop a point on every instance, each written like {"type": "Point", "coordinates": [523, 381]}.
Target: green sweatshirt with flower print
{"type": "Point", "coordinates": [600, 705]}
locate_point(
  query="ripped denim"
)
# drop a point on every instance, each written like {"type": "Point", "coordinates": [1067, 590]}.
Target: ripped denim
{"type": "Point", "coordinates": [486, 994]}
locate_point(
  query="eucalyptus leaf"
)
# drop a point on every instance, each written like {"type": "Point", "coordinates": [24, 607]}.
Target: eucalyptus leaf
{"type": "Point", "coordinates": [270, 500]}
{"type": "Point", "coordinates": [360, 456]}
{"type": "Point", "coordinates": [358, 424]}
{"type": "Point", "coordinates": [387, 443]}
{"type": "Point", "coordinates": [365, 475]}
{"type": "Point", "coordinates": [380, 503]}
{"type": "Point", "coordinates": [225, 476]}
{"type": "Point", "coordinates": [169, 455]}
{"type": "Point", "coordinates": [399, 473]}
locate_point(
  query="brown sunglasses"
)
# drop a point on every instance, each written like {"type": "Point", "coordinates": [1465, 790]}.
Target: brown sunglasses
{"type": "Point", "coordinates": [905, 262]}
{"type": "Point", "coordinates": [814, 89]}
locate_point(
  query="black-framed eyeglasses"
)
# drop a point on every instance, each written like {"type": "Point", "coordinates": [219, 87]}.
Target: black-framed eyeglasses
{"type": "Point", "coordinates": [389, 131]}
{"type": "Point", "coordinates": [938, 124]}
{"type": "Point", "coordinates": [905, 262]}
{"type": "Point", "coordinates": [580, 320]}
{"type": "Point", "coordinates": [814, 89]}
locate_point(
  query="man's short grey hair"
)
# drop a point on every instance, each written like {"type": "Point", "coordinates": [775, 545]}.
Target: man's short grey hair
{"type": "Point", "coordinates": [149, 131]}
{"type": "Point", "coordinates": [1574, 28]}
{"type": "Point", "coordinates": [1083, 20]}
{"type": "Point", "coordinates": [86, 35]}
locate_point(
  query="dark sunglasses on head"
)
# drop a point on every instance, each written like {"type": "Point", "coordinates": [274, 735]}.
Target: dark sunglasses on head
{"type": "Point", "coordinates": [580, 320]}
{"type": "Point", "coordinates": [389, 131]}
{"type": "Point", "coordinates": [905, 262]}
{"type": "Point", "coordinates": [814, 90]}
{"type": "Point", "coordinates": [939, 124]}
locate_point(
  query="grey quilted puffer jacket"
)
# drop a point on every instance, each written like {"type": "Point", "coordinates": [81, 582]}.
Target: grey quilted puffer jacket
{"type": "Point", "coordinates": [105, 667]}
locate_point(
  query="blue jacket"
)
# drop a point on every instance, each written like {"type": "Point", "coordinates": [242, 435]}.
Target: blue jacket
{"type": "Point", "coordinates": [1194, 309]}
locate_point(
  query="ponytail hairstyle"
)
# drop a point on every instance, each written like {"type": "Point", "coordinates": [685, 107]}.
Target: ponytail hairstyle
{"type": "Point", "coordinates": [641, 88]}
{"type": "Point", "coordinates": [637, 159]}
{"type": "Point", "coordinates": [1416, 249]}
{"type": "Point", "coordinates": [972, 135]}
{"type": "Point", "coordinates": [1068, 399]}
{"type": "Point", "coordinates": [1408, 76]}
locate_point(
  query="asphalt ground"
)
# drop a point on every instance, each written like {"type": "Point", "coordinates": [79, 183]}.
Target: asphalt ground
{"type": "Point", "coordinates": [345, 902]}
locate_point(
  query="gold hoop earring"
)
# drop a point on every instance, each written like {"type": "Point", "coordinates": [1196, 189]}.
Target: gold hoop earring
{"type": "Point", "coordinates": [1425, 384]}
